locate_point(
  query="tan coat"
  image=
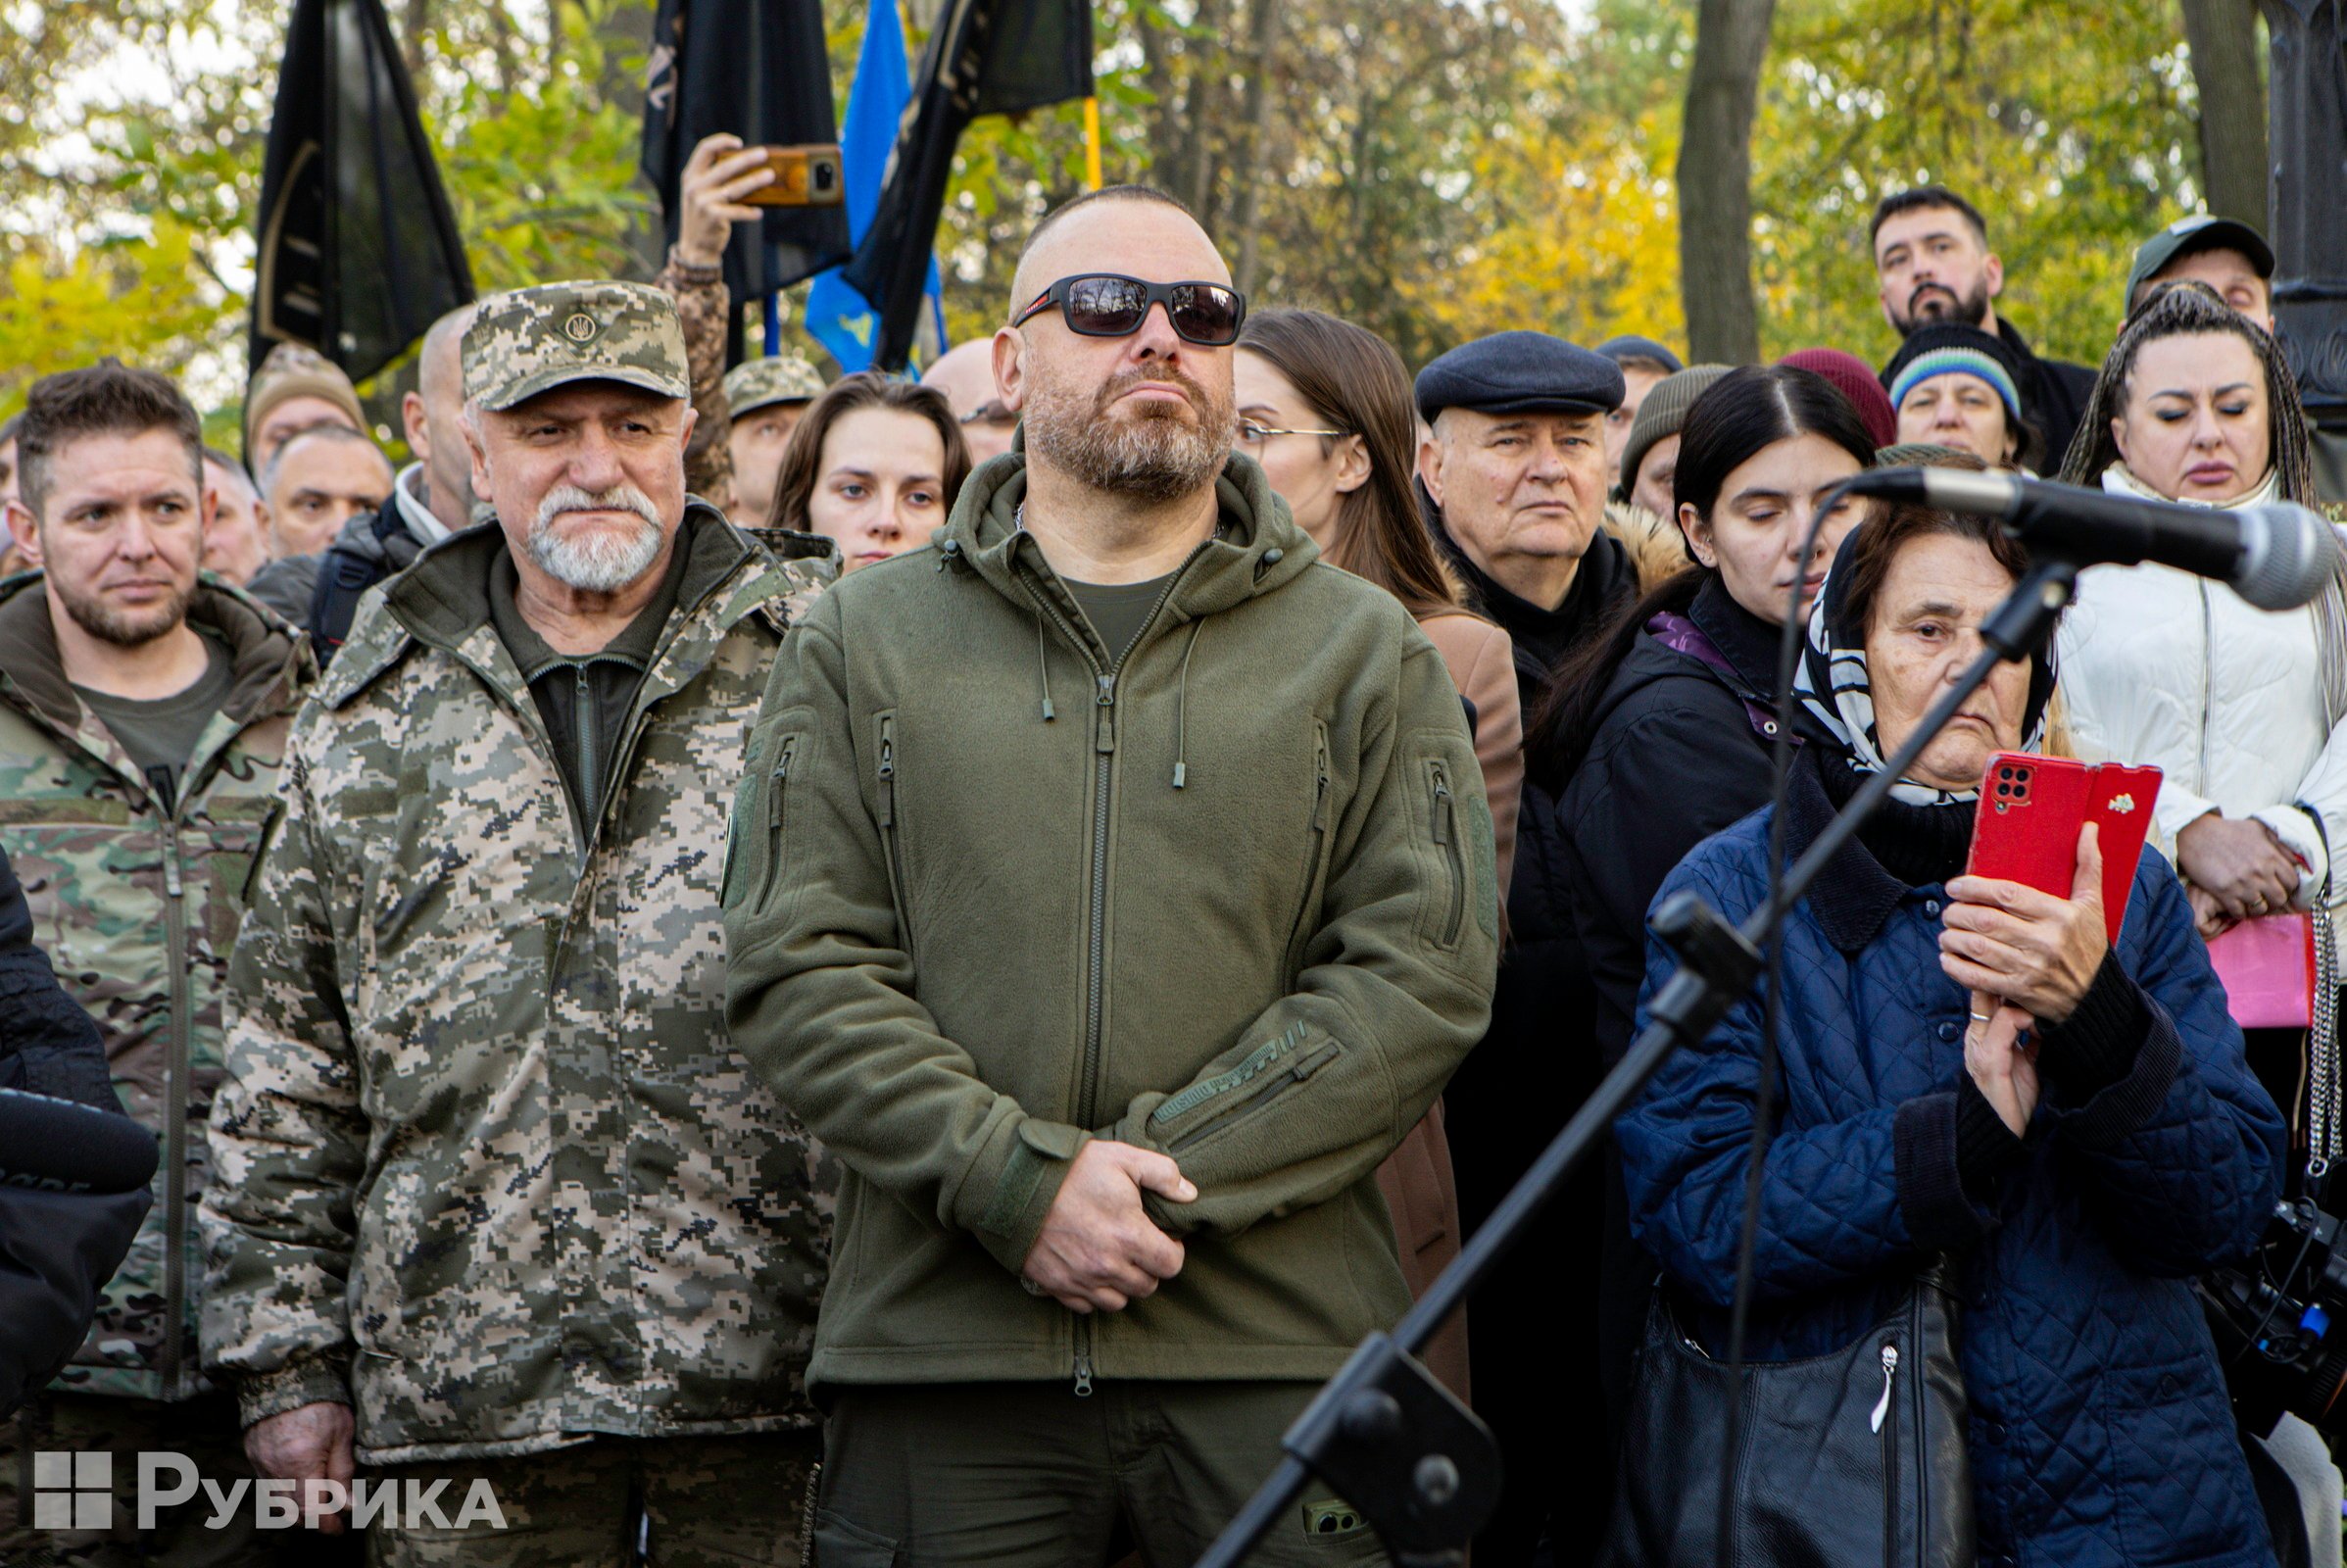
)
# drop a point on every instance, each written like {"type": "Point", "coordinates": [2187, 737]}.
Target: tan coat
{"type": "Point", "coordinates": [1417, 1178]}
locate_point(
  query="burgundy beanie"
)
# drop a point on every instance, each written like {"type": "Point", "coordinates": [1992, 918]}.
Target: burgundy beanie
{"type": "Point", "coordinates": [1853, 379]}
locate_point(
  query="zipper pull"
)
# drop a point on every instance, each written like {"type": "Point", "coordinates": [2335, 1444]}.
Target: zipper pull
{"type": "Point", "coordinates": [1890, 1367]}
{"type": "Point", "coordinates": [1083, 1376]}
{"type": "Point", "coordinates": [171, 867]}
{"type": "Point", "coordinates": [1105, 702]}
{"type": "Point", "coordinates": [887, 773]}
{"type": "Point", "coordinates": [782, 763]}
{"type": "Point", "coordinates": [1442, 822]}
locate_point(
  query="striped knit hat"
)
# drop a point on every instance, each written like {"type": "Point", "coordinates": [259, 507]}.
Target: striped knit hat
{"type": "Point", "coordinates": [1950, 349]}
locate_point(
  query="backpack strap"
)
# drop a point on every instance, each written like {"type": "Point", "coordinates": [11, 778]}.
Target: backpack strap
{"type": "Point", "coordinates": [1682, 635]}
{"type": "Point", "coordinates": [343, 577]}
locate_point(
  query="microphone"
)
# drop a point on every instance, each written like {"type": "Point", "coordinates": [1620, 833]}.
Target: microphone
{"type": "Point", "coordinates": [2277, 556]}
{"type": "Point", "coordinates": [64, 1146]}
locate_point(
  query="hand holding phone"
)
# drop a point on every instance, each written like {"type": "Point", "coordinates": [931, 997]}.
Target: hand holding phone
{"type": "Point", "coordinates": [2026, 828]}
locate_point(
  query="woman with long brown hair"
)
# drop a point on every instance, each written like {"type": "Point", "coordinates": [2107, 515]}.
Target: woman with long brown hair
{"type": "Point", "coordinates": [1325, 406]}
{"type": "Point", "coordinates": [874, 463]}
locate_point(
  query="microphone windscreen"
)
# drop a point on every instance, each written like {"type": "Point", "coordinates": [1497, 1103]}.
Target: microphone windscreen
{"type": "Point", "coordinates": [2288, 556]}
{"type": "Point", "coordinates": [72, 1148]}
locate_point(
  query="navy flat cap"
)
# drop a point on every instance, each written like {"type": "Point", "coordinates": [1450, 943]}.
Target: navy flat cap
{"type": "Point", "coordinates": [1520, 372]}
{"type": "Point", "coordinates": [1630, 346]}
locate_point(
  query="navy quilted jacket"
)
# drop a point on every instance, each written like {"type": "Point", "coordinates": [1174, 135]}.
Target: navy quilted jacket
{"type": "Point", "coordinates": [2100, 1429]}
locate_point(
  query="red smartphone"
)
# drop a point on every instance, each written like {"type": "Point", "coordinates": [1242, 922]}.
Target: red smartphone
{"type": "Point", "coordinates": [2031, 807]}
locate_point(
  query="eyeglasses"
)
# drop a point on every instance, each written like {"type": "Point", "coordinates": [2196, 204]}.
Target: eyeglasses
{"type": "Point", "coordinates": [1109, 305]}
{"type": "Point", "coordinates": [991, 411]}
{"type": "Point", "coordinates": [1254, 435]}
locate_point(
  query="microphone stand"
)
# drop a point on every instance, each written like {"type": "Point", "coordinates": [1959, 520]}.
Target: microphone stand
{"type": "Point", "coordinates": [1383, 1434]}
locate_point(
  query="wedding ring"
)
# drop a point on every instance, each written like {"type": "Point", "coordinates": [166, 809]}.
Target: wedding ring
{"type": "Point", "coordinates": [1979, 1017]}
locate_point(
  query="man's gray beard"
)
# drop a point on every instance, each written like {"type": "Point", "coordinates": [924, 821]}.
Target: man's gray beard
{"type": "Point", "coordinates": [109, 626]}
{"type": "Point", "coordinates": [599, 564]}
{"type": "Point", "coordinates": [1968, 311]}
{"type": "Point", "coordinates": [1151, 454]}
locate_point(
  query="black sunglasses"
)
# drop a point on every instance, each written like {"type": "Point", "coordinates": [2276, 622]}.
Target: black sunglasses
{"type": "Point", "coordinates": [1109, 305]}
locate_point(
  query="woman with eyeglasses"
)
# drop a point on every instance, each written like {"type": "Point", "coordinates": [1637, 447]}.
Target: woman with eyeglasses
{"type": "Point", "coordinates": [1325, 406]}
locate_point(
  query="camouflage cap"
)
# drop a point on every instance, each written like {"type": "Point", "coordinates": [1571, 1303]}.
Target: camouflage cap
{"type": "Point", "coordinates": [782, 378]}
{"type": "Point", "coordinates": [522, 343]}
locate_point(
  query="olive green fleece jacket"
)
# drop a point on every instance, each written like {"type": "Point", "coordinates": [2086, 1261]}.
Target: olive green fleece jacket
{"type": "Point", "coordinates": [1231, 900]}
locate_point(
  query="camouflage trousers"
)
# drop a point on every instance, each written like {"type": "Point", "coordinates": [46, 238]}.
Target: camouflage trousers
{"type": "Point", "coordinates": [82, 1509]}
{"type": "Point", "coordinates": [671, 1502]}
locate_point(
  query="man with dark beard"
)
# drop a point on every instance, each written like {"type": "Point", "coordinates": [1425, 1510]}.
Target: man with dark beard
{"type": "Point", "coordinates": [1933, 264]}
{"type": "Point", "coordinates": [1112, 890]}
{"type": "Point", "coordinates": [477, 1056]}
{"type": "Point", "coordinates": [143, 716]}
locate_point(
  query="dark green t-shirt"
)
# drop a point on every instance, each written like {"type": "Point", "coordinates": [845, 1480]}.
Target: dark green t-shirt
{"type": "Point", "coordinates": [1117, 610]}
{"type": "Point", "coordinates": [160, 735]}
{"type": "Point", "coordinates": [584, 698]}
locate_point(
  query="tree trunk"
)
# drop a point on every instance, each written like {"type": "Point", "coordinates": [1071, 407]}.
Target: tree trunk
{"type": "Point", "coordinates": [1256, 169]}
{"type": "Point", "coordinates": [1715, 181]}
{"type": "Point", "coordinates": [1206, 107]}
{"type": "Point", "coordinates": [2222, 35]}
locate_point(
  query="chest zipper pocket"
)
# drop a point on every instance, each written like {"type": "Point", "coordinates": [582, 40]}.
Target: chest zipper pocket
{"type": "Point", "coordinates": [1444, 824]}
{"type": "Point", "coordinates": [1315, 857]}
{"type": "Point", "coordinates": [777, 803]}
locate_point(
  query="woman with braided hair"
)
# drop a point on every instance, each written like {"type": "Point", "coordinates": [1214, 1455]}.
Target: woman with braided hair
{"type": "Point", "coordinates": [2241, 709]}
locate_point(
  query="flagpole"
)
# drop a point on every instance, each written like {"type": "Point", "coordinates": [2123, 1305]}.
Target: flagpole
{"type": "Point", "coordinates": [1091, 143]}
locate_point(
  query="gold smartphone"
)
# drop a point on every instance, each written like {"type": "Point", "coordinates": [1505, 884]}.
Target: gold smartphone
{"type": "Point", "coordinates": [806, 175]}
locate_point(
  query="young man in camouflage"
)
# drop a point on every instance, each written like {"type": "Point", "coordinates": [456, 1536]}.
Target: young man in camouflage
{"type": "Point", "coordinates": [143, 713]}
{"type": "Point", "coordinates": [1112, 891]}
{"type": "Point", "coordinates": [497, 1197]}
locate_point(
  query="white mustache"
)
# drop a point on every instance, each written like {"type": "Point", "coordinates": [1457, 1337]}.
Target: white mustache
{"type": "Point", "coordinates": [618, 498]}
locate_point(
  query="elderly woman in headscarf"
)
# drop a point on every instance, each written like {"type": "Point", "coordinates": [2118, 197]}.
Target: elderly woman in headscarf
{"type": "Point", "coordinates": [2243, 709]}
{"type": "Point", "coordinates": [1970, 1068]}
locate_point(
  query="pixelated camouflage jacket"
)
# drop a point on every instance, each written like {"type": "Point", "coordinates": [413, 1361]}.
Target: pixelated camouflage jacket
{"type": "Point", "coordinates": [136, 907]}
{"type": "Point", "coordinates": [489, 1167]}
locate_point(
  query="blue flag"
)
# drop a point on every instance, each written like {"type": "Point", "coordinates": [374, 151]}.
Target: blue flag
{"type": "Point", "coordinates": [837, 316]}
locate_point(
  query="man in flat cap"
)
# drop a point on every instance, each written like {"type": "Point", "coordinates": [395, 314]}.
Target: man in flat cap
{"type": "Point", "coordinates": [1517, 474]}
{"type": "Point", "coordinates": [766, 398]}
{"type": "Point", "coordinates": [496, 1198]}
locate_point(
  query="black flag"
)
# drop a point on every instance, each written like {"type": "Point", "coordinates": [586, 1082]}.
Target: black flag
{"type": "Point", "coordinates": [987, 56]}
{"type": "Point", "coordinates": [755, 68]}
{"type": "Point", "coordinates": [359, 252]}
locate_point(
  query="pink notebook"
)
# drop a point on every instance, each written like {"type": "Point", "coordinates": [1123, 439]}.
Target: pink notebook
{"type": "Point", "coordinates": [2268, 966]}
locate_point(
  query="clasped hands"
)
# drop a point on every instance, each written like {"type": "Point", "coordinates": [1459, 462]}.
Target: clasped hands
{"type": "Point", "coordinates": [1099, 1250]}
{"type": "Point", "coordinates": [2027, 957]}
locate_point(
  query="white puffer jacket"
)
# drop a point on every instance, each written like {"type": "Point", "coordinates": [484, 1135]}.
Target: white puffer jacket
{"type": "Point", "coordinates": [2160, 667]}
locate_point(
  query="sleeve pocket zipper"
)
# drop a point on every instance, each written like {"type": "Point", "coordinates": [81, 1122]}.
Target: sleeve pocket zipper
{"type": "Point", "coordinates": [1275, 1087]}
{"type": "Point", "coordinates": [884, 773]}
{"type": "Point", "coordinates": [1302, 932]}
{"type": "Point", "coordinates": [1444, 827]}
{"type": "Point", "coordinates": [776, 783]}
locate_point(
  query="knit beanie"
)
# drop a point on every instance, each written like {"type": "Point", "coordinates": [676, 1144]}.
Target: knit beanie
{"type": "Point", "coordinates": [1853, 381]}
{"type": "Point", "coordinates": [294, 371]}
{"type": "Point", "coordinates": [1927, 454]}
{"type": "Point", "coordinates": [1949, 348]}
{"type": "Point", "coordinates": [1663, 415]}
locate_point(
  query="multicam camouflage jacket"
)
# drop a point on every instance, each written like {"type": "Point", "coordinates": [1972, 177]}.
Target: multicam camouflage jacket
{"type": "Point", "coordinates": [489, 1167]}
{"type": "Point", "coordinates": [136, 904]}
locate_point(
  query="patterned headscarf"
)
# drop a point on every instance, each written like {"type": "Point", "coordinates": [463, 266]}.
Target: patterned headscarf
{"type": "Point", "coordinates": [1833, 686]}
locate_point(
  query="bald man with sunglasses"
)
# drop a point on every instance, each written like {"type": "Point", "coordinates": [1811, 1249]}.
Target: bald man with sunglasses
{"type": "Point", "coordinates": [1111, 891]}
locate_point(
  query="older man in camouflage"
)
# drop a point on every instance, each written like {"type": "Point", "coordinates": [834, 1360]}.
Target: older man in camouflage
{"type": "Point", "coordinates": [494, 1187]}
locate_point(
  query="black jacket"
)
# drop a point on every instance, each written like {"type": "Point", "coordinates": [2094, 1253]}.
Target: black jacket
{"type": "Point", "coordinates": [1528, 1342]}
{"type": "Point", "coordinates": [1675, 757]}
{"type": "Point", "coordinates": [2057, 394]}
{"type": "Point", "coordinates": [57, 1246]}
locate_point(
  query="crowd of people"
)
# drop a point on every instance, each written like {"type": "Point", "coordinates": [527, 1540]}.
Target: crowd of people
{"type": "Point", "coordinates": [895, 970]}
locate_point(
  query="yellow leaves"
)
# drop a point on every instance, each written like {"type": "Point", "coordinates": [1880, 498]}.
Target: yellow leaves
{"type": "Point", "coordinates": [144, 301]}
{"type": "Point", "coordinates": [1583, 240]}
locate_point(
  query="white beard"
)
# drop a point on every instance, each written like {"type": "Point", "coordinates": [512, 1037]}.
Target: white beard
{"type": "Point", "coordinates": [600, 562]}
